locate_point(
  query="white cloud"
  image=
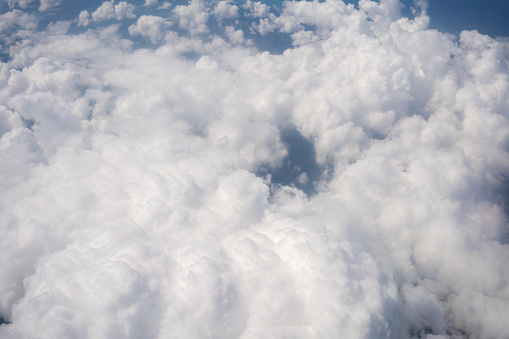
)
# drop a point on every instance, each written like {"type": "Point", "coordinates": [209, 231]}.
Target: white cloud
{"type": "Point", "coordinates": [105, 11]}
{"type": "Point", "coordinates": [256, 9]}
{"type": "Point", "coordinates": [124, 10]}
{"type": "Point", "coordinates": [15, 26]}
{"type": "Point", "coordinates": [108, 10]}
{"type": "Point", "coordinates": [266, 25]}
{"type": "Point", "coordinates": [193, 17]}
{"type": "Point", "coordinates": [84, 18]}
{"type": "Point", "coordinates": [151, 2]}
{"type": "Point", "coordinates": [129, 204]}
{"type": "Point", "coordinates": [152, 27]}
{"type": "Point", "coordinates": [225, 10]}
{"type": "Point", "coordinates": [47, 4]}
{"type": "Point", "coordinates": [303, 178]}
{"type": "Point", "coordinates": [20, 3]}
{"type": "Point", "coordinates": [234, 36]}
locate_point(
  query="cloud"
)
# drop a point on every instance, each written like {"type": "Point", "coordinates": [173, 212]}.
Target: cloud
{"type": "Point", "coordinates": [225, 10]}
{"type": "Point", "coordinates": [150, 2]}
{"type": "Point", "coordinates": [15, 26]}
{"type": "Point", "coordinates": [47, 4]}
{"type": "Point", "coordinates": [137, 195]}
{"type": "Point", "coordinates": [256, 9]}
{"type": "Point", "coordinates": [83, 18]}
{"type": "Point", "coordinates": [234, 36]}
{"type": "Point", "coordinates": [165, 5]}
{"type": "Point", "coordinates": [20, 3]}
{"type": "Point", "coordinates": [152, 27]}
{"type": "Point", "coordinates": [193, 17]}
{"type": "Point", "coordinates": [110, 11]}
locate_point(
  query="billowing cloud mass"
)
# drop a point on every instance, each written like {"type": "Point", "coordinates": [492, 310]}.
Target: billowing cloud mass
{"type": "Point", "coordinates": [141, 193]}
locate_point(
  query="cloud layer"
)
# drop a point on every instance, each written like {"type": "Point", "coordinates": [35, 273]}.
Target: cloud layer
{"type": "Point", "coordinates": [136, 196]}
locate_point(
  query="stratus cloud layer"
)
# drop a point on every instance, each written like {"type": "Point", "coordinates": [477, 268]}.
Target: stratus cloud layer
{"type": "Point", "coordinates": [130, 207]}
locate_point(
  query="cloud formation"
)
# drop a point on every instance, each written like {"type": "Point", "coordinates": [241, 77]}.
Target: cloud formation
{"type": "Point", "coordinates": [136, 192]}
{"type": "Point", "coordinates": [108, 10]}
{"type": "Point", "coordinates": [150, 26]}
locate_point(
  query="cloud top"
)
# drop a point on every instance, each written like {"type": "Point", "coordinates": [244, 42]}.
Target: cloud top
{"type": "Point", "coordinates": [138, 186]}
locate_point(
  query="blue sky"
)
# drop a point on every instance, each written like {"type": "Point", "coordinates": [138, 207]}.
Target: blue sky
{"type": "Point", "coordinates": [488, 17]}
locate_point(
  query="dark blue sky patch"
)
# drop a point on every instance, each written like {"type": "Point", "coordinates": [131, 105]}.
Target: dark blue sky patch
{"type": "Point", "coordinates": [300, 168]}
{"type": "Point", "coordinates": [4, 57]}
{"type": "Point", "coordinates": [275, 43]}
{"type": "Point", "coordinates": [502, 196]}
{"type": "Point", "coordinates": [488, 17]}
{"type": "Point", "coordinates": [28, 123]}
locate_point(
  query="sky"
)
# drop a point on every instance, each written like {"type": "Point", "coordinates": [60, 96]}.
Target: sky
{"type": "Point", "coordinates": [454, 16]}
{"type": "Point", "coordinates": [244, 169]}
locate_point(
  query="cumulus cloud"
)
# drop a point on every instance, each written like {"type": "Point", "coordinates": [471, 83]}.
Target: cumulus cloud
{"type": "Point", "coordinates": [83, 18]}
{"type": "Point", "coordinates": [225, 10]}
{"type": "Point", "coordinates": [137, 190]}
{"type": "Point", "coordinates": [15, 26]}
{"type": "Point", "coordinates": [234, 36]}
{"type": "Point", "coordinates": [193, 17]}
{"type": "Point", "coordinates": [256, 9]}
{"type": "Point", "coordinates": [152, 27]}
{"type": "Point", "coordinates": [108, 10]}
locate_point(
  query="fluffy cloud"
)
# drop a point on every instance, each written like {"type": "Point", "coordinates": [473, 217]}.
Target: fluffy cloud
{"type": "Point", "coordinates": [152, 27]}
{"type": "Point", "coordinates": [234, 36]}
{"type": "Point", "coordinates": [193, 17]}
{"type": "Point", "coordinates": [20, 3]}
{"type": "Point", "coordinates": [136, 195]}
{"type": "Point", "coordinates": [84, 18]}
{"type": "Point", "coordinates": [110, 11]}
{"type": "Point", "coordinates": [256, 9]}
{"type": "Point", "coordinates": [15, 26]}
{"type": "Point", "coordinates": [44, 4]}
{"type": "Point", "coordinates": [225, 10]}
